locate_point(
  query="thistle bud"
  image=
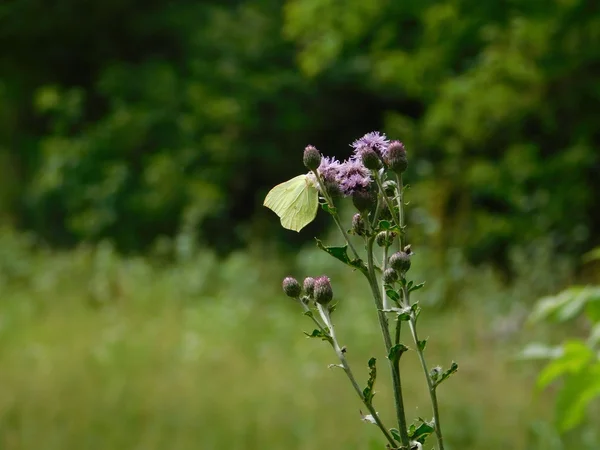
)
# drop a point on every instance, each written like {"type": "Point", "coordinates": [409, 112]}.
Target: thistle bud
{"type": "Point", "coordinates": [390, 276]}
{"type": "Point", "coordinates": [390, 188]}
{"type": "Point", "coordinates": [370, 159]}
{"type": "Point", "coordinates": [323, 292]}
{"type": "Point", "coordinates": [385, 238]}
{"type": "Point", "coordinates": [358, 225]}
{"type": "Point", "coordinates": [309, 286]}
{"type": "Point", "coordinates": [400, 261]}
{"type": "Point", "coordinates": [312, 158]}
{"type": "Point", "coordinates": [364, 199]}
{"type": "Point", "coordinates": [396, 157]}
{"type": "Point", "coordinates": [291, 287]}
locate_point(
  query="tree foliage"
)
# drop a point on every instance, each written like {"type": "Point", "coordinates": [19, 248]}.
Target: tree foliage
{"type": "Point", "coordinates": [133, 122]}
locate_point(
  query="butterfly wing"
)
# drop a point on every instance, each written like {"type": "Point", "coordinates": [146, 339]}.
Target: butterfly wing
{"type": "Point", "coordinates": [294, 201]}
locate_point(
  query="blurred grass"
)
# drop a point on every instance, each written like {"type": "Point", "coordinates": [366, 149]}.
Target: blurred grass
{"type": "Point", "coordinates": [102, 352]}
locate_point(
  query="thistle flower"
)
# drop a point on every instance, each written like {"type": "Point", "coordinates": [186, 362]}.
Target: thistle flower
{"type": "Point", "coordinates": [400, 261]}
{"type": "Point", "coordinates": [311, 158]}
{"type": "Point", "coordinates": [329, 171]}
{"type": "Point", "coordinates": [291, 287]}
{"type": "Point", "coordinates": [396, 157]}
{"type": "Point", "coordinates": [390, 276]}
{"type": "Point", "coordinates": [353, 176]}
{"type": "Point", "coordinates": [323, 291]}
{"type": "Point", "coordinates": [309, 286]}
{"type": "Point", "coordinates": [374, 141]}
{"type": "Point", "coordinates": [358, 225]}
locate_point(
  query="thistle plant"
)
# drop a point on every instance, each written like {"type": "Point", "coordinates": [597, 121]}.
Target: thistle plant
{"type": "Point", "coordinates": [372, 179]}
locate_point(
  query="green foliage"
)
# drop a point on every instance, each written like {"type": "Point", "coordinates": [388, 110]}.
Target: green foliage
{"type": "Point", "coordinates": [576, 362]}
{"type": "Point", "coordinates": [130, 124]}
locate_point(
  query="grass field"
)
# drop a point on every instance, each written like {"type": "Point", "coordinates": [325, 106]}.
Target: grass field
{"type": "Point", "coordinates": [99, 352]}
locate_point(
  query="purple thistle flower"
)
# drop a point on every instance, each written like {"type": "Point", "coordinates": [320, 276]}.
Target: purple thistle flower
{"type": "Point", "coordinates": [374, 140]}
{"type": "Point", "coordinates": [329, 170]}
{"type": "Point", "coordinates": [353, 176]}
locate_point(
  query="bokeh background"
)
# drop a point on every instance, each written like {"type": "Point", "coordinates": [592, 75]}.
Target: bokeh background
{"type": "Point", "coordinates": [140, 302]}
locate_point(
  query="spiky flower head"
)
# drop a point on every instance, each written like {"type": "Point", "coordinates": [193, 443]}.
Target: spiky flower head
{"type": "Point", "coordinates": [309, 286]}
{"type": "Point", "coordinates": [374, 140]}
{"type": "Point", "coordinates": [364, 199]}
{"type": "Point", "coordinates": [291, 287]}
{"type": "Point", "coordinates": [390, 276]}
{"type": "Point", "coordinates": [400, 261]}
{"type": "Point", "coordinates": [329, 172]}
{"type": "Point", "coordinates": [323, 291]}
{"type": "Point", "coordinates": [385, 238]}
{"type": "Point", "coordinates": [353, 176]}
{"type": "Point", "coordinates": [396, 157]}
{"type": "Point", "coordinates": [311, 158]}
{"type": "Point", "coordinates": [370, 159]}
{"type": "Point", "coordinates": [358, 225]}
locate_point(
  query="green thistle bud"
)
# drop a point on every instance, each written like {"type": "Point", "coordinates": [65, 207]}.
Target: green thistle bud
{"type": "Point", "coordinates": [291, 287]}
{"type": "Point", "coordinates": [390, 276]}
{"type": "Point", "coordinates": [370, 159]}
{"type": "Point", "coordinates": [312, 158]}
{"type": "Point", "coordinates": [323, 291]}
{"type": "Point", "coordinates": [400, 261]}
{"type": "Point", "coordinates": [364, 199]}
{"type": "Point", "coordinates": [358, 225]}
{"type": "Point", "coordinates": [396, 157]}
{"type": "Point", "coordinates": [309, 286]}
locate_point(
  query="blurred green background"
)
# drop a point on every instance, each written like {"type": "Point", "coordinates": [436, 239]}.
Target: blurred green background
{"type": "Point", "coordinates": [140, 303]}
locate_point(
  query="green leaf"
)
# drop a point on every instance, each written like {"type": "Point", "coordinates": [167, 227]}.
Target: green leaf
{"type": "Point", "coordinates": [576, 394]}
{"type": "Point", "coordinates": [422, 344]}
{"type": "Point", "coordinates": [396, 434]}
{"type": "Point", "coordinates": [368, 392]}
{"type": "Point", "coordinates": [592, 255]}
{"type": "Point", "coordinates": [396, 352]}
{"type": "Point", "coordinates": [341, 254]}
{"type": "Point", "coordinates": [453, 369]}
{"type": "Point", "coordinates": [576, 356]}
{"type": "Point", "coordinates": [384, 225]}
{"type": "Point", "coordinates": [566, 304]}
{"type": "Point", "coordinates": [319, 334]}
{"type": "Point", "coordinates": [420, 433]}
{"type": "Point", "coordinates": [392, 294]}
{"type": "Point", "coordinates": [331, 210]}
{"type": "Point", "coordinates": [416, 287]}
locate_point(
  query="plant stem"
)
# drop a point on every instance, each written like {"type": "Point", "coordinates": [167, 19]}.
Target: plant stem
{"type": "Point", "coordinates": [385, 197]}
{"type": "Point", "coordinates": [386, 304]}
{"type": "Point", "coordinates": [334, 342]}
{"type": "Point", "coordinates": [385, 331]}
{"type": "Point", "coordinates": [334, 213]}
{"type": "Point", "coordinates": [432, 390]}
{"type": "Point", "coordinates": [400, 197]}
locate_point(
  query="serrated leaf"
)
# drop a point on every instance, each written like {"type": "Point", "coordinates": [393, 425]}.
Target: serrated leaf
{"type": "Point", "coordinates": [319, 334]}
{"type": "Point", "coordinates": [421, 432]}
{"type": "Point", "coordinates": [341, 254]}
{"type": "Point", "coordinates": [369, 392]}
{"type": "Point", "coordinates": [396, 352]}
{"type": "Point", "coordinates": [453, 368]}
{"type": "Point", "coordinates": [416, 287]}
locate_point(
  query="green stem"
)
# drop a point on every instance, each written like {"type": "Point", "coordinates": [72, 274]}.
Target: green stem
{"type": "Point", "coordinates": [385, 197]}
{"type": "Point", "coordinates": [400, 197]}
{"type": "Point", "coordinates": [432, 390]}
{"type": "Point", "coordinates": [334, 213]}
{"type": "Point", "coordinates": [385, 331]}
{"type": "Point", "coordinates": [334, 342]}
{"type": "Point", "coordinates": [386, 305]}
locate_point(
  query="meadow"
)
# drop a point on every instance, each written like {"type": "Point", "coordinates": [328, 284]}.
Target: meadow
{"type": "Point", "coordinates": [99, 351]}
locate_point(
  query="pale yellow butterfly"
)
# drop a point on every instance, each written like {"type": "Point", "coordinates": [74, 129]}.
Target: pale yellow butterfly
{"type": "Point", "coordinates": [295, 202]}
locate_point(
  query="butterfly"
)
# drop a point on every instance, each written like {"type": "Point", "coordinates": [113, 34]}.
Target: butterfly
{"type": "Point", "coordinates": [295, 202]}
